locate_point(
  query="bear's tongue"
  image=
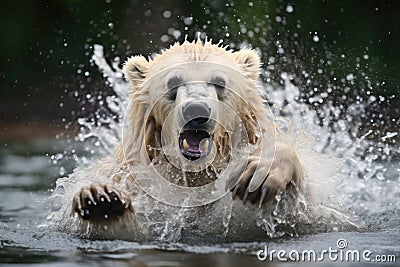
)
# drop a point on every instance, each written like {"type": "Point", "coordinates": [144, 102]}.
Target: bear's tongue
{"type": "Point", "coordinates": [195, 141]}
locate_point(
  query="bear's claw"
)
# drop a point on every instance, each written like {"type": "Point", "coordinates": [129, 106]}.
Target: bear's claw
{"type": "Point", "coordinates": [262, 180]}
{"type": "Point", "coordinates": [99, 202]}
{"type": "Point", "coordinates": [260, 196]}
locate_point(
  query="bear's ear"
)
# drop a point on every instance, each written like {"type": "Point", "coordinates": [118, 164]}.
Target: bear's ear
{"type": "Point", "coordinates": [249, 61]}
{"type": "Point", "coordinates": [135, 69]}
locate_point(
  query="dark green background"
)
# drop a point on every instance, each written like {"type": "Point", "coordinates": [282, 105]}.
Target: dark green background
{"type": "Point", "coordinates": [44, 43]}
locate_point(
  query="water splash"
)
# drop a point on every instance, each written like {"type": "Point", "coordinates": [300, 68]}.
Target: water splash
{"type": "Point", "coordinates": [369, 183]}
{"type": "Point", "coordinates": [328, 142]}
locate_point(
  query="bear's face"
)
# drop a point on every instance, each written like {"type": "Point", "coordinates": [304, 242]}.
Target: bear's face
{"type": "Point", "coordinates": [193, 92]}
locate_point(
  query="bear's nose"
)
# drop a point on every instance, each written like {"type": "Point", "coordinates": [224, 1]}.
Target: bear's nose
{"type": "Point", "coordinates": [196, 113]}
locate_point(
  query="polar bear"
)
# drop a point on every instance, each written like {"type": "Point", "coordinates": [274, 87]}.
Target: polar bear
{"type": "Point", "coordinates": [196, 118]}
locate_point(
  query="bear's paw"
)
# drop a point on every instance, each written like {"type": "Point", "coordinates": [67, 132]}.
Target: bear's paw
{"type": "Point", "coordinates": [100, 203]}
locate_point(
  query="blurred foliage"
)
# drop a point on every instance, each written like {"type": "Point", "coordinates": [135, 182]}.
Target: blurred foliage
{"type": "Point", "coordinates": [46, 45]}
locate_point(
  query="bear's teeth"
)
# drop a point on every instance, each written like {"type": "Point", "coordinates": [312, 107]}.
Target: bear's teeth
{"type": "Point", "coordinates": [185, 144]}
{"type": "Point", "coordinates": [205, 144]}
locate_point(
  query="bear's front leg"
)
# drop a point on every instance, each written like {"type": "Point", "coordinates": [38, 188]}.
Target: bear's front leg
{"type": "Point", "coordinates": [100, 203]}
{"type": "Point", "coordinates": [260, 180]}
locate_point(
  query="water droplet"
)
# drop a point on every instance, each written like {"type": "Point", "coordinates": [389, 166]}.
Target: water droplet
{"type": "Point", "coordinates": [62, 171]}
{"type": "Point", "coordinates": [289, 9]}
{"type": "Point", "coordinates": [380, 176]}
{"type": "Point", "coordinates": [164, 38]}
{"type": "Point", "coordinates": [167, 14]}
{"type": "Point", "coordinates": [372, 98]}
{"type": "Point", "coordinates": [188, 20]}
{"type": "Point", "coordinates": [147, 13]}
{"type": "Point", "coordinates": [316, 38]}
{"type": "Point", "coordinates": [350, 77]}
{"type": "Point", "coordinates": [176, 34]}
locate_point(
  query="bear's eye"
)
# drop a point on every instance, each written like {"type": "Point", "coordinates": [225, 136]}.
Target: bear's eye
{"type": "Point", "coordinates": [220, 86]}
{"type": "Point", "coordinates": [173, 85]}
{"type": "Point", "coordinates": [218, 82]}
{"type": "Point", "coordinates": [174, 82]}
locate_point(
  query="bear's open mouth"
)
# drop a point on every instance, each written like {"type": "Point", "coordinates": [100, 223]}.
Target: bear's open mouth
{"type": "Point", "coordinates": [195, 144]}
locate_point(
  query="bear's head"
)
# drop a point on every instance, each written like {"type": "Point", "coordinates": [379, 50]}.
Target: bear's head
{"type": "Point", "coordinates": [193, 99]}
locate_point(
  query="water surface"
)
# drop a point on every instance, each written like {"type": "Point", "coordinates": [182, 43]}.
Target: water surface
{"type": "Point", "coordinates": [27, 175]}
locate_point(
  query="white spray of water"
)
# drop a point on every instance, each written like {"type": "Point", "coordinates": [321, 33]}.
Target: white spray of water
{"type": "Point", "coordinates": [339, 157]}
